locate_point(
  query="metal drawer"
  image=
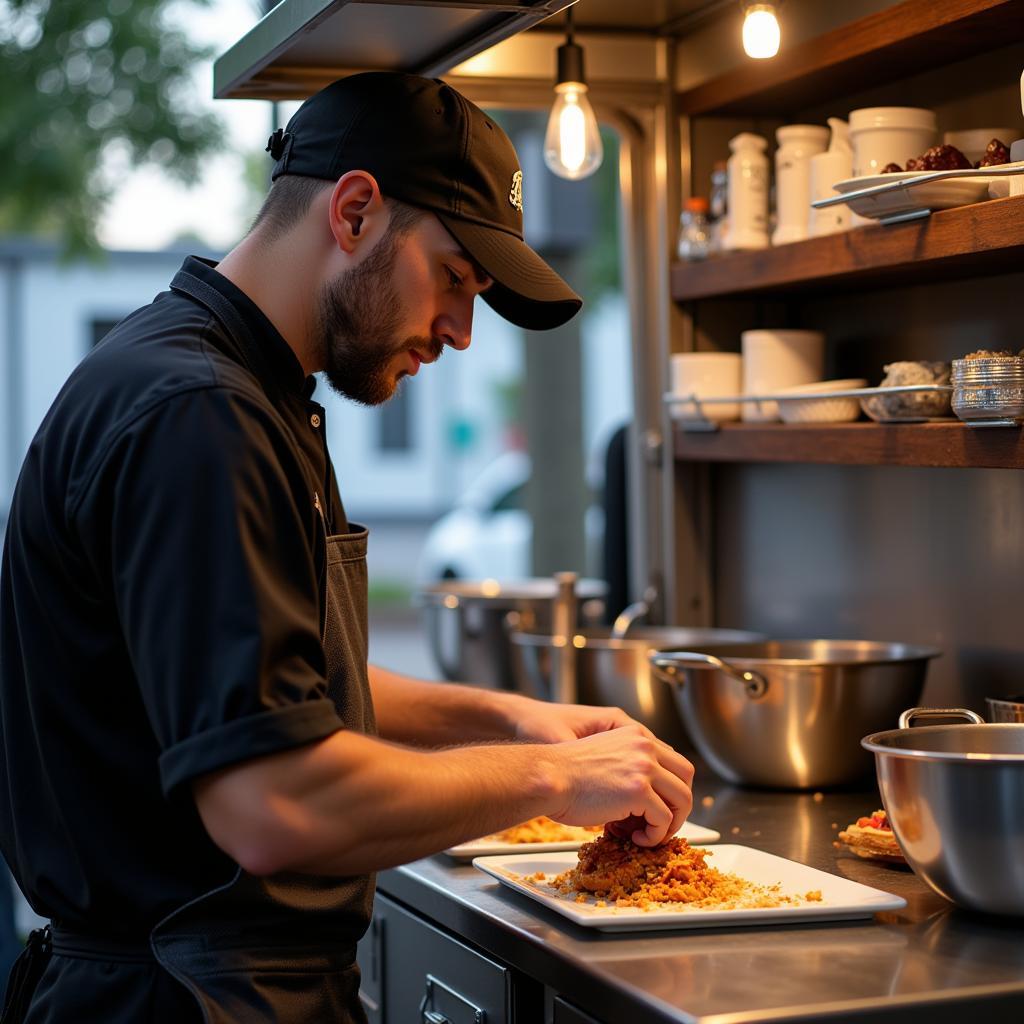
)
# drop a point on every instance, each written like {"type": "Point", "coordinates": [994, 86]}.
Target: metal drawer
{"type": "Point", "coordinates": [414, 973]}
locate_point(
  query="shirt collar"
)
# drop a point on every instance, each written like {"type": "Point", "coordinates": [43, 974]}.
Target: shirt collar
{"type": "Point", "coordinates": [262, 346]}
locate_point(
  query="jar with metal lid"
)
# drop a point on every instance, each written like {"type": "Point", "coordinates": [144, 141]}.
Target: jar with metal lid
{"type": "Point", "coordinates": [989, 389]}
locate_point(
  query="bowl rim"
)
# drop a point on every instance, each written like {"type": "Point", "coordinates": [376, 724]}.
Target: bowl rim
{"type": "Point", "coordinates": [913, 652]}
{"type": "Point", "coordinates": [874, 743]}
{"type": "Point", "coordinates": [847, 384]}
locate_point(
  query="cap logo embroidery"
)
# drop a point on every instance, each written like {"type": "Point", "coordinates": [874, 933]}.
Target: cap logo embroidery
{"type": "Point", "coordinates": [515, 197]}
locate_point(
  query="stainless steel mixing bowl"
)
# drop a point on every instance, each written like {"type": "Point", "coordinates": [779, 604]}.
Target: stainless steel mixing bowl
{"type": "Point", "coordinates": [468, 622]}
{"type": "Point", "coordinates": [790, 713]}
{"type": "Point", "coordinates": [954, 795]}
{"type": "Point", "coordinates": [615, 671]}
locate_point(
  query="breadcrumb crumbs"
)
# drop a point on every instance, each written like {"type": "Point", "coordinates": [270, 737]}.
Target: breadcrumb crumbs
{"type": "Point", "coordinates": [616, 872]}
{"type": "Point", "coordinates": [735, 830]}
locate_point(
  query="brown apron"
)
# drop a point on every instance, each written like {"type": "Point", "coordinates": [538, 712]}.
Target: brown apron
{"type": "Point", "coordinates": [282, 949]}
{"type": "Point", "coordinates": [271, 950]}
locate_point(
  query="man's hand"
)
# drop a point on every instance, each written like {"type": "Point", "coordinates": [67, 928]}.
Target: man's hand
{"type": "Point", "coordinates": [538, 722]}
{"type": "Point", "coordinates": [626, 773]}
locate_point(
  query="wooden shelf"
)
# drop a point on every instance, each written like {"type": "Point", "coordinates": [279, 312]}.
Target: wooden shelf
{"type": "Point", "coordinates": [892, 44]}
{"type": "Point", "coordinates": [936, 444]}
{"type": "Point", "coordinates": [983, 238]}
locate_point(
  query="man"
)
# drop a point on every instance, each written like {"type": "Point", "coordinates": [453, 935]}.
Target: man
{"type": "Point", "coordinates": [196, 793]}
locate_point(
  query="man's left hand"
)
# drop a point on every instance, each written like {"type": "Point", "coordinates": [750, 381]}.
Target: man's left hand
{"type": "Point", "coordinates": [538, 722]}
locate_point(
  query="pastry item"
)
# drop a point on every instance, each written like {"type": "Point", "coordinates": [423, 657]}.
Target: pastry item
{"type": "Point", "coordinates": [872, 838]}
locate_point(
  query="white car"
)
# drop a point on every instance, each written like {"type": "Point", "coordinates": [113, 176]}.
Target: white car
{"type": "Point", "coordinates": [488, 533]}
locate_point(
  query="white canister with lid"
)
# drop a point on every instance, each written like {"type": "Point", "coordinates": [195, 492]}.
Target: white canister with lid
{"type": "Point", "coordinates": [889, 135]}
{"type": "Point", "coordinates": [835, 164]}
{"type": "Point", "coordinates": [798, 143]}
{"type": "Point", "coordinates": [748, 193]}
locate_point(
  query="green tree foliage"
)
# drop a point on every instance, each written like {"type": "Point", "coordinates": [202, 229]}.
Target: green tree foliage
{"type": "Point", "coordinates": [82, 80]}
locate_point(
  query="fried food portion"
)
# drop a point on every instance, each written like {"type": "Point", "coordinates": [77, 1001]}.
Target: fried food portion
{"type": "Point", "coordinates": [543, 830]}
{"type": "Point", "coordinates": [619, 871]}
{"type": "Point", "coordinates": [872, 838]}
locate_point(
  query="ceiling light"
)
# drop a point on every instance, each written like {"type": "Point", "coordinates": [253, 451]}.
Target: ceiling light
{"type": "Point", "coordinates": [572, 143]}
{"type": "Point", "coordinates": [761, 32]}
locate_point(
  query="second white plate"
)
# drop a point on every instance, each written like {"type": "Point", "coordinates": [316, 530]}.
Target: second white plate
{"type": "Point", "coordinates": [840, 897]}
{"type": "Point", "coordinates": [928, 195]}
{"type": "Point", "coordinates": [696, 834]}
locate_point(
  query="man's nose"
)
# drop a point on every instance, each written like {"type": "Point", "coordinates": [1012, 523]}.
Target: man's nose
{"type": "Point", "coordinates": [455, 328]}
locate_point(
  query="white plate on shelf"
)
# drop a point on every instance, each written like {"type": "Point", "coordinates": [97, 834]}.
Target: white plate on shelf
{"type": "Point", "coordinates": [841, 899]}
{"type": "Point", "coordinates": [696, 834]}
{"type": "Point", "coordinates": [922, 198]}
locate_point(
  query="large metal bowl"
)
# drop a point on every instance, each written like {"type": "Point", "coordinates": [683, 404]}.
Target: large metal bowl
{"type": "Point", "coordinates": [954, 795]}
{"type": "Point", "coordinates": [790, 713]}
{"type": "Point", "coordinates": [468, 622]}
{"type": "Point", "coordinates": [615, 671]}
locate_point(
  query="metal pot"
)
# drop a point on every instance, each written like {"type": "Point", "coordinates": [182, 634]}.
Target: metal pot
{"type": "Point", "coordinates": [790, 713]}
{"type": "Point", "coordinates": [468, 622]}
{"type": "Point", "coordinates": [614, 671]}
{"type": "Point", "coordinates": [954, 795]}
{"type": "Point", "coordinates": [1006, 709]}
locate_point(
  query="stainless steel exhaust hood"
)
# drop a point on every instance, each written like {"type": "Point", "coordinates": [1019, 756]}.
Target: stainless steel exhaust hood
{"type": "Point", "coordinates": [302, 45]}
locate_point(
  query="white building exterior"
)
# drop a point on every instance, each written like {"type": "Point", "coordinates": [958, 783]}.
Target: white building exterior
{"type": "Point", "coordinates": [407, 460]}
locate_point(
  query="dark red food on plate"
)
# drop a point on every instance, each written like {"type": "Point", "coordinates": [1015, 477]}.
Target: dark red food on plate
{"type": "Point", "coordinates": [891, 169]}
{"type": "Point", "coordinates": [995, 153]}
{"type": "Point", "coordinates": [943, 158]}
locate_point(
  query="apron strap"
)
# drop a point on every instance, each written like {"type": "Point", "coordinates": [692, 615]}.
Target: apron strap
{"type": "Point", "coordinates": [25, 975]}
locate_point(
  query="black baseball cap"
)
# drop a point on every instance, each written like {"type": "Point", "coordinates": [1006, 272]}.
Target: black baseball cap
{"type": "Point", "coordinates": [427, 145]}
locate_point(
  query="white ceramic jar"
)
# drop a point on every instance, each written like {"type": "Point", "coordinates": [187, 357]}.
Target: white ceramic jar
{"type": "Point", "coordinates": [774, 359]}
{"type": "Point", "coordinates": [748, 193]}
{"type": "Point", "coordinates": [797, 144]}
{"type": "Point", "coordinates": [707, 375]}
{"type": "Point", "coordinates": [836, 164]}
{"type": "Point", "coordinates": [889, 135]}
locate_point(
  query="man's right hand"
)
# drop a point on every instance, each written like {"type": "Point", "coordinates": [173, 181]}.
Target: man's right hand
{"type": "Point", "coordinates": [626, 772]}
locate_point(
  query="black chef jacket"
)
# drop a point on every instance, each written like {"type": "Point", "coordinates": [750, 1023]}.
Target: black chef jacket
{"type": "Point", "coordinates": [159, 611]}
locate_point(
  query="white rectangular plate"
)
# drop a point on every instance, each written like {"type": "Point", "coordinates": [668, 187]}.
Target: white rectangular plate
{"type": "Point", "coordinates": [487, 847]}
{"type": "Point", "coordinates": [840, 898]}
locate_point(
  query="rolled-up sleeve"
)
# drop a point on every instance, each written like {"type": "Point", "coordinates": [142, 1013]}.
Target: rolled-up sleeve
{"type": "Point", "coordinates": [212, 560]}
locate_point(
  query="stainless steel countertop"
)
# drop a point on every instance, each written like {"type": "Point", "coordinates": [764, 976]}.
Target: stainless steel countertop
{"type": "Point", "coordinates": [930, 961]}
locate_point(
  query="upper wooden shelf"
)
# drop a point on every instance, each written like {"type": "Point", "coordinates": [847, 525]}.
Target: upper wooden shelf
{"type": "Point", "coordinates": [936, 444]}
{"type": "Point", "coordinates": [892, 44]}
{"type": "Point", "coordinates": [986, 237]}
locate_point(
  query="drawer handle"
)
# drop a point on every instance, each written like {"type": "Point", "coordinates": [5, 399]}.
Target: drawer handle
{"type": "Point", "coordinates": [431, 1016]}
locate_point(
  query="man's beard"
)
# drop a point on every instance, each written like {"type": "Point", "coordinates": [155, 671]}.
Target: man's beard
{"type": "Point", "coordinates": [358, 318]}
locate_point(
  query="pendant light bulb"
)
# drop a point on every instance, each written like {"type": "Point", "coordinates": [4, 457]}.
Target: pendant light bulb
{"type": "Point", "coordinates": [761, 33]}
{"type": "Point", "coordinates": [572, 142]}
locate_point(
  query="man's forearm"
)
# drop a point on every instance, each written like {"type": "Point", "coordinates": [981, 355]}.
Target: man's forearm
{"type": "Point", "coordinates": [433, 714]}
{"type": "Point", "coordinates": [351, 804]}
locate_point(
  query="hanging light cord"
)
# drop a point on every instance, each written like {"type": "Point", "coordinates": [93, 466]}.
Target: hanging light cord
{"type": "Point", "coordinates": [568, 25]}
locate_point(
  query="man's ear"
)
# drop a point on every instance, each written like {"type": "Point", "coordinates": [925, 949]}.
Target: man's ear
{"type": "Point", "coordinates": [356, 207]}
